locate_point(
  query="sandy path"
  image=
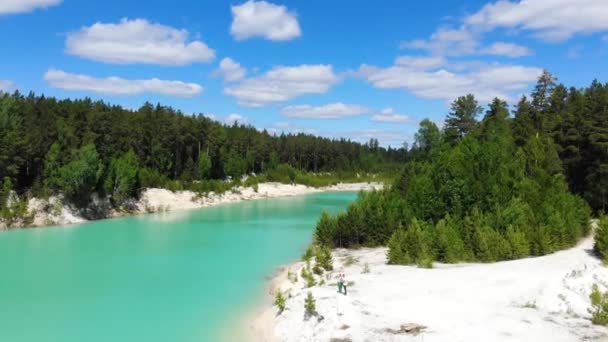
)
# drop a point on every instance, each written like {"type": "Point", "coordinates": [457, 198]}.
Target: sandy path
{"type": "Point", "coordinates": [534, 299]}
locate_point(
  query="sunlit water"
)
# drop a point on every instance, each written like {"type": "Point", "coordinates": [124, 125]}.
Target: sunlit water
{"type": "Point", "coordinates": [178, 276]}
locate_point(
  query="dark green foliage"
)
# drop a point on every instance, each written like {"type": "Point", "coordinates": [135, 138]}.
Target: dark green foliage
{"type": "Point", "coordinates": [122, 180]}
{"type": "Point", "coordinates": [324, 258]}
{"type": "Point", "coordinates": [409, 245]}
{"type": "Point", "coordinates": [310, 305]}
{"type": "Point", "coordinates": [11, 138]}
{"type": "Point", "coordinates": [78, 178]}
{"type": "Point", "coordinates": [601, 238]}
{"type": "Point", "coordinates": [40, 140]}
{"type": "Point", "coordinates": [12, 207]}
{"type": "Point", "coordinates": [204, 166]}
{"type": "Point", "coordinates": [496, 193]}
{"type": "Point", "coordinates": [462, 119]}
{"type": "Point", "coordinates": [326, 230]}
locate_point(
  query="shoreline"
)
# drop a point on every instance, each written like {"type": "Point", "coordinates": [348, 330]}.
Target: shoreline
{"type": "Point", "coordinates": [537, 298]}
{"type": "Point", "coordinates": [52, 212]}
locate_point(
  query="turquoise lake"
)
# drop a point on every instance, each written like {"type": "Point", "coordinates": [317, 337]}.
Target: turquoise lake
{"type": "Point", "coordinates": [181, 276]}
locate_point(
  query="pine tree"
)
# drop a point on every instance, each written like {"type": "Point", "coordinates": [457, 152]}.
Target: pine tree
{"type": "Point", "coordinates": [461, 120]}
{"type": "Point", "coordinates": [523, 124]}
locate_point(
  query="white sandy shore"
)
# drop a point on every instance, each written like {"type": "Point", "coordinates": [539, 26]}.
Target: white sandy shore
{"type": "Point", "coordinates": [533, 299]}
{"type": "Point", "coordinates": [53, 212]}
{"type": "Point", "coordinates": [162, 199]}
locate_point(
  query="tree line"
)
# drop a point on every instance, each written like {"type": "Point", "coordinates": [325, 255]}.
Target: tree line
{"type": "Point", "coordinates": [78, 147]}
{"type": "Point", "coordinates": [503, 187]}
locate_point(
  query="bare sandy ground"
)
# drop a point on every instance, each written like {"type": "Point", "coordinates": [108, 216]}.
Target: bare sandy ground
{"type": "Point", "coordinates": [53, 212]}
{"type": "Point", "coordinates": [533, 299]}
{"type": "Point", "coordinates": [165, 200]}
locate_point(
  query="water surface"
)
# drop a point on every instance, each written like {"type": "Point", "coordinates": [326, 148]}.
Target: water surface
{"type": "Point", "coordinates": [177, 276]}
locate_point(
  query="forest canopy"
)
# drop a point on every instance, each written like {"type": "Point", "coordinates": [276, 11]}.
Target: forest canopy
{"type": "Point", "coordinates": [80, 147]}
{"type": "Point", "coordinates": [504, 187]}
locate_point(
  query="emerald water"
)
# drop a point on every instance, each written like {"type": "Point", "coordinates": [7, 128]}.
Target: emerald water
{"type": "Point", "coordinates": [181, 276]}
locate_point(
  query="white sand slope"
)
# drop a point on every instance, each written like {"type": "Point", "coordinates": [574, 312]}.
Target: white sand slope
{"type": "Point", "coordinates": [165, 200]}
{"type": "Point", "coordinates": [53, 212]}
{"type": "Point", "coordinates": [534, 299]}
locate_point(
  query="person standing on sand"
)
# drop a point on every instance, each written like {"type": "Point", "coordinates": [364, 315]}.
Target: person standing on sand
{"type": "Point", "coordinates": [341, 283]}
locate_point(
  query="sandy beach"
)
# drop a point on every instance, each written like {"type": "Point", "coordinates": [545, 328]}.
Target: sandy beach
{"type": "Point", "coordinates": [533, 299]}
{"type": "Point", "coordinates": [54, 212]}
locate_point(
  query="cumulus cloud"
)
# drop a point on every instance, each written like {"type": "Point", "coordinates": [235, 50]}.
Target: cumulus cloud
{"type": "Point", "coordinates": [421, 62]}
{"type": "Point", "coordinates": [283, 83]}
{"type": "Point", "coordinates": [506, 49]}
{"type": "Point", "coordinates": [24, 6]}
{"type": "Point", "coordinates": [389, 115]}
{"type": "Point", "coordinates": [263, 19]}
{"type": "Point", "coordinates": [446, 42]}
{"type": "Point", "coordinates": [231, 70]}
{"type": "Point", "coordinates": [137, 41]}
{"type": "Point", "coordinates": [328, 111]}
{"type": "Point", "coordinates": [120, 86]}
{"type": "Point", "coordinates": [485, 81]}
{"type": "Point", "coordinates": [547, 19]}
{"type": "Point", "coordinates": [6, 85]}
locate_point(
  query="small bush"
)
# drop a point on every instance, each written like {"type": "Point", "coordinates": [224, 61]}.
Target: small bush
{"type": "Point", "coordinates": [317, 270]}
{"type": "Point", "coordinates": [366, 268]}
{"type": "Point", "coordinates": [310, 305]}
{"type": "Point", "coordinates": [350, 260]}
{"type": "Point", "coordinates": [324, 258]}
{"type": "Point", "coordinates": [279, 301]}
{"type": "Point", "coordinates": [599, 306]}
{"type": "Point", "coordinates": [310, 252]}
{"type": "Point", "coordinates": [425, 262]}
{"type": "Point", "coordinates": [601, 238]}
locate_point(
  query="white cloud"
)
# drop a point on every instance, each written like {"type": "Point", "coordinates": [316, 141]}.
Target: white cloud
{"type": "Point", "coordinates": [547, 19]}
{"type": "Point", "coordinates": [328, 111]}
{"type": "Point", "coordinates": [234, 117]}
{"type": "Point", "coordinates": [263, 19]}
{"type": "Point", "coordinates": [120, 86]}
{"type": "Point", "coordinates": [6, 85]}
{"type": "Point", "coordinates": [24, 6]}
{"type": "Point", "coordinates": [231, 70]}
{"type": "Point", "coordinates": [446, 42]}
{"type": "Point", "coordinates": [483, 80]}
{"type": "Point", "coordinates": [506, 49]}
{"type": "Point", "coordinates": [287, 127]}
{"type": "Point", "coordinates": [283, 83]}
{"type": "Point", "coordinates": [421, 62]}
{"type": "Point", "coordinates": [137, 41]}
{"type": "Point", "coordinates": [389, 115]}
{"type": "Point", "coordinates": [393, 138]}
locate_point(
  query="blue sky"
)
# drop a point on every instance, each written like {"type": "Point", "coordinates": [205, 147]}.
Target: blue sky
{"type": "Point", "coordinates": [357, 69]}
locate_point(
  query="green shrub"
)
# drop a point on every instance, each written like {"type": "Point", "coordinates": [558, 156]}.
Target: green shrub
{"type": "Point", "coordinates": [324, 258]}
{"type": "Point", "coordinates": [279, 301]}
{"type": "Point", "coordinates": [310, 306]}
{"type": "Point", "coordinates": [317, 270]}
{"type": "Point", "coordinates": [599, 306]}
{"type": "Point", "coordinates": [601, 238]}
{"type": "Point", "coordinates": [309, 253]}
